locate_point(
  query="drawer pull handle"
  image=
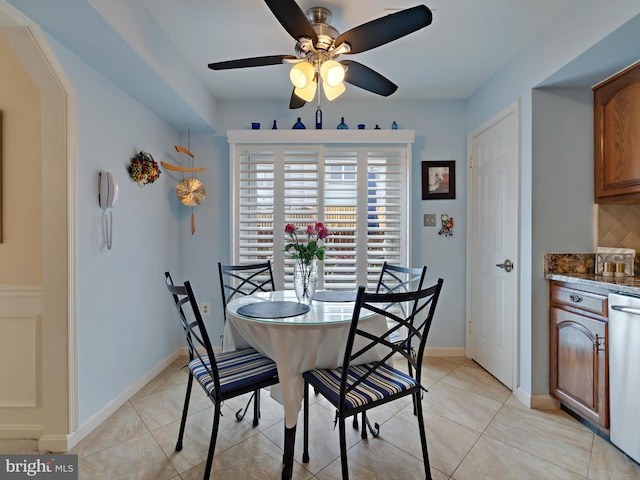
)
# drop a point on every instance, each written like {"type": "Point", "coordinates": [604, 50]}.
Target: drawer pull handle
{"type": "Point", "coordinates": [575, 298]}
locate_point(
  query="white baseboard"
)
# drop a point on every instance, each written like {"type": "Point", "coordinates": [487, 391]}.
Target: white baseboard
{"type": "Point", "coordinates": [27, 432]}
{"type": "Point", "coordinates": [544, 402]}
{"type": "Point", "coordinates": [88, 426]}
{"type": "Point", "coordinates": [537, 402]}
{"type": "Point", "coordinates": [445, 352]}
{"type": "Point", "coordinates": [55, 443]}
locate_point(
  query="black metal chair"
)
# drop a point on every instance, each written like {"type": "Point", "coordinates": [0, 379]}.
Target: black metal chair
{"type": "Point", "coordinates": [355, 387]}
{"type": "Point", "coordinates": [394, 279]}
{"type": "Point", "coordinates": [398, 279]}
{"type": "Point", "coordinates": [244, 280]}
{"type": "Point", "coordinates": [221, 376]}
{"type": "Point", "coordinates": [240, 280]}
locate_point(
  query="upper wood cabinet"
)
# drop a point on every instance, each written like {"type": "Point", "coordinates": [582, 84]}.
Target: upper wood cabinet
{"type": "Point", "coordinates": [617, 138]}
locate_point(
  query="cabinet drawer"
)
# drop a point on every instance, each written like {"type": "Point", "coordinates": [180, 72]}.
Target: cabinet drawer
{"type": "Point", "coordinates": [587, 301]}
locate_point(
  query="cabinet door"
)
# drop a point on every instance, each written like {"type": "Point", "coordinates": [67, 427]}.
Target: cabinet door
{"type": "Point", "coordinates": [578, 364]}
{"type": "Point", "coordinates": [617, 138]}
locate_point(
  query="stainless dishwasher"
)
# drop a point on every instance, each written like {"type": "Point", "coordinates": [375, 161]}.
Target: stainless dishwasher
{"type": "Point", "coordinates": [624, 373]}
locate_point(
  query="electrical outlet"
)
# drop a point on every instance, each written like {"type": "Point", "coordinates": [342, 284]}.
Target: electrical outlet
{"type": "Point", "coordinates": [429, 219]}
{"type": "Point", "coordinates": [206, 309]}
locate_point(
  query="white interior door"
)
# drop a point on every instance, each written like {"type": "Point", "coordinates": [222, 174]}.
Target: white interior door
{"type": "Point", "coordinates": [492, 256]}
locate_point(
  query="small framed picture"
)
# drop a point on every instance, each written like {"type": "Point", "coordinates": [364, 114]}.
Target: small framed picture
{"type": "Point", "coordinates": [439, 180]}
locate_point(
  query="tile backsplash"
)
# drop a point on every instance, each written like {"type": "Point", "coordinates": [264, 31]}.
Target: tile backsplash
{"type": "Point", "coordinates": [619, 226]}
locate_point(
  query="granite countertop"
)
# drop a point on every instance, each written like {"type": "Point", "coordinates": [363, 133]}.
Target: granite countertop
{"type": "Point", "coordinates": [614, 284]}
{"type": "Point", "coordinates": [578, 268]}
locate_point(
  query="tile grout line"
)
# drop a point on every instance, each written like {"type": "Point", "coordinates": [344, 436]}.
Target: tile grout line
{"type": "Point", "coordinates": [481, 433]}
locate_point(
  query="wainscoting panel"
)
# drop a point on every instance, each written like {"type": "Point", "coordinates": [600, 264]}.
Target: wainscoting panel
{"type": "Point", "coordinates": [20, 313]}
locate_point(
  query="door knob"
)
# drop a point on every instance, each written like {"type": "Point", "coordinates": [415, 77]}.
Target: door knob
{"type": "Point", "coordinates": [507, 265]}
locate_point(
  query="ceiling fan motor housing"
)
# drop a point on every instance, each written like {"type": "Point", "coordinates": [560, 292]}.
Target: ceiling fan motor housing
{"type": "Point", "coordinates": [319, 15]}
{"type": "Point", "coordinates": [320, 19]}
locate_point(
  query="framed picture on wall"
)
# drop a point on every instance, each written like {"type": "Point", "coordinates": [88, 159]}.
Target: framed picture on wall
{"type": "Point", "coordinates": [438, 180]}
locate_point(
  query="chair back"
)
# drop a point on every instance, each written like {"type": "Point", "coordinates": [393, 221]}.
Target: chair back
{"type": "Point", "coordinates": [239, 280]}
{"type": "Point", "coordinates": [417, 323]}
{"type": "Point", "coordinates": [198, 342]}
{"type": "Point", "coordinates": [398, 279]}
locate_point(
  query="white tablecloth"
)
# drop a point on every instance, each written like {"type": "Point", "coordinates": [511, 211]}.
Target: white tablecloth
{"type": "Point", "coordinates": [316, 339]}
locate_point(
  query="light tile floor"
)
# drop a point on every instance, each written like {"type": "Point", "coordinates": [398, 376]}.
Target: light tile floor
{"type": "Point", "coordinates": [475, 430]}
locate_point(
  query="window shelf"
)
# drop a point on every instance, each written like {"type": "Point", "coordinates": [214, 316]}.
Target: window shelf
{"type": "Point", "coordinates": [290, 136]}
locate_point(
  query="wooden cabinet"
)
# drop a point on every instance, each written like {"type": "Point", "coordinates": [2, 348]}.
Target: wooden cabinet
{"type": "Point", "coordinates": [578, 350]}
{"type": "Point", "coordinates": [617, 138]}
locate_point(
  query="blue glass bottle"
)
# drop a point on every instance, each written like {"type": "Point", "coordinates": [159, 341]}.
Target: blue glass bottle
{"type": "Point", "coordinates": [394, 125]}
{"type": "Point", "coordinates": [298, 125]}
{"type": "Point", "coordinates": [342, 126]}
{"type": "Point", "coordinates": [274, 126]}
{"type": "Point", "coordinates": [318, 119]}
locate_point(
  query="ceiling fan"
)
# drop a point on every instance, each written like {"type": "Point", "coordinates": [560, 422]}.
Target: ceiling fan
{"type": "Point", "coordinates": [319, 45]}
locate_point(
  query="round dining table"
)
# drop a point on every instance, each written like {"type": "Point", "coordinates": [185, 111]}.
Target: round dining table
{"type": "Point", "coordinates": [297, 337]}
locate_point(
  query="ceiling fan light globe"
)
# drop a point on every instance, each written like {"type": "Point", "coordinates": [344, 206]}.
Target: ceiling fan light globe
{"type": "Point", "coordinates": [301, 74]}
{"type": "Point", "coordinates": [307, 93]}
{"type": "Point", "coordinates": [332, 73]}
{"type": "Point", "coordinates": [333, 92]}
{"type": "Point", "coordinates": [297, 78]}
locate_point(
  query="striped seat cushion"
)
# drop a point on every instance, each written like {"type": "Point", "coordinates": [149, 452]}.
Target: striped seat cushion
{"type": "Point", "coordinates": [237, 369]}
{"type": "Point", "coordinates": [386, 381]}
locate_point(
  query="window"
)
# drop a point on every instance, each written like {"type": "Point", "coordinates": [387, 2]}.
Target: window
{"type": "Point", "coordinates": [361, 192]}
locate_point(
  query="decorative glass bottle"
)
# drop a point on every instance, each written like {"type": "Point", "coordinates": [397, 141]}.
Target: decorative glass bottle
{"type": "Point", "coordinates": [318, 118]}
{"type": "Point", "coordinates": [342, 126]}
{"type": "Point", "coordinates": [305, 279]}
{"type": "Point", "coordinates": [394, 125]}
{"type": "Point", "coordinates": [274, 126]}
{"type": "Point", "coordinates": [298, 125]}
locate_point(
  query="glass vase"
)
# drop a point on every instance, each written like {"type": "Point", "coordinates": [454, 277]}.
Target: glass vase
{"type": "Point", "coordinates": [305, 278]}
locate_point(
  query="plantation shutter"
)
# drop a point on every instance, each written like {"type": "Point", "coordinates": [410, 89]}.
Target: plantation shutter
{"type": "Point", "coordinates": [301, 197]}
{"type": "Point", "coordinates": [254, 215]}
{"type": "Point", "coordinates": [387, 231]}
{"type": "Point", "coordinates": [340, 217]}
{"type": "Point", "coordinates": [360, 192]}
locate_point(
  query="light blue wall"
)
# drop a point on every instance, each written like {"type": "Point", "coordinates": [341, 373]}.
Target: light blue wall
{"type": "Point", "coordinates": [587, 42]}
{"type": "Point", "coordinates": [125, 323]}
{"type": "Point", "coordinates": [200, 253]}
{"type": "Point", "coordinates": [562, 218]}
{"type": "Point", "coordinates": [440, 135]}
{"type": "Point", "coordinates": [126, 326]}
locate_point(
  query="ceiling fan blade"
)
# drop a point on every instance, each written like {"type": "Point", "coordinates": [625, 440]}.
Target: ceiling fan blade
{"type": "Point", "coordinates": [294, 21]}
{"type": "Point", "coordinates": [386, 29]}
{"type": "Point", "coordinates": [363, 77]}
{"type": "Point", "coordinates": [296, 101]}
{"type": "Point", "coordinates": [251, 62]}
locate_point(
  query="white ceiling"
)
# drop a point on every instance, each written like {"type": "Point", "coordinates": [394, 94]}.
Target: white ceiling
{"type": "Point", "coordinates": [468, 41]}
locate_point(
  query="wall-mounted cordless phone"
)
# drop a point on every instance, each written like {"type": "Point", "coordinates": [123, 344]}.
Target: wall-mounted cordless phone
{"type": "Point", "coordinates": [107, 196]}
